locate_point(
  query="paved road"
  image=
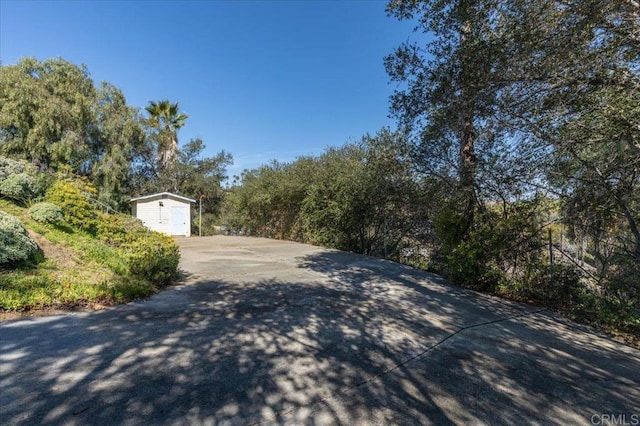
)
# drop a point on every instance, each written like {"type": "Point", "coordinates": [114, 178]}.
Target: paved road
{"type": "Point", "coordinates": [276, 332]}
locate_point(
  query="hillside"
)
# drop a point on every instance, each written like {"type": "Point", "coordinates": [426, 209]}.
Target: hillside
{"type": "Point", "coordinates": [75, 269]}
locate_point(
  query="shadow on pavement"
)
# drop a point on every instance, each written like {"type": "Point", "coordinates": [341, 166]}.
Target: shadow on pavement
{"type": "Point", "coordinates": [371, 342]}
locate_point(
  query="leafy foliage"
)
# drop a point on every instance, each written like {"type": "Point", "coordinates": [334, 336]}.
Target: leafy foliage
{"type": "Point", "coordinates": [365, 197]}
{"type": "Point", "coordinates": [16, 247]}
{"type": "Point", "coordinates": [20, 187]}
{"type": "Point", "coordinates": [166, 120]}
{"type": "Point", "coordinates": [155, 257]}
{"type": "Point", "coordinates": [510, 102]}
{"type": "Point", "coordinates": [9, 167]}
{"type": "Point", "coordinates": [20, 181]}
{"type": "Point", "coordinates": [71, 197]}
{"type": "Point", "coordinates": [448, 92]}
{"type": "Point", "coordinates": [498, 247]}
{"type": "Point", "coordinates": [146, 254]}
{"type": "Point", "coordinates": [125, 261]}
{"type": "Point", "coordinates": [361, 197]}
{"type": "Point", "coordinates": [57, 126]}
{"type": "Point", "coordinates": [119, 229]}
{"type": "Point", "coordinates": [119, 148]}
{"type": "Point", "coordinates": [52, 116]}
{"type": "Point", "coordinates": [48, 213]}
{"type": "Point", "coordinates": [269, 200]}
{"type": "Point", "coordinates": [45, 111]}
{"type": "Point", "coordinates": [583, 111]}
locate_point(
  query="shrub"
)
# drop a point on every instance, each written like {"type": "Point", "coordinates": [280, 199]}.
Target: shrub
{"type": "Point", "coordinates": [19, 187]}
{"type": "Point", "coordinates": [20, 181]}
{"type": "Point", "coordinates": [623, 276]}
{"type": "Point", "coordinates": [450, 225]}
{"type": "Point", "coordinates": [16, 247]}
{"type": "Point", "coordinates": [46, 213]}
{"type": "Point", "coordinates": [9, 167]}
{"type": "Point", "coordinates": [147, 254]}
{"type": "Point", "coordinates": [475, 261]}
{"type": "Point", "coordinates": [558, 287]}
{"type": "Point", "coordinates": [471, 265]}
{"type": "Point", "coordinates": [119, 229]}
{"type": "Point", "coordinates": [154, 257]}
{"type": "Point", "coordinates": [76, 208]}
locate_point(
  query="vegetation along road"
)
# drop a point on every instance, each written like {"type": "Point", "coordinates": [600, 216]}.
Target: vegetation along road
{"type": "Point", "coordinates": [266, 331]}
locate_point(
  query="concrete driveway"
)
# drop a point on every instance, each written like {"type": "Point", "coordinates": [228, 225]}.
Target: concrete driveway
{"type": "Point", "coordinates": [276, 332]}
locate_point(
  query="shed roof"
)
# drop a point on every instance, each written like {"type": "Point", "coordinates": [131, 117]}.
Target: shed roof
{"type": "Point", "coordinates": [163, 194]}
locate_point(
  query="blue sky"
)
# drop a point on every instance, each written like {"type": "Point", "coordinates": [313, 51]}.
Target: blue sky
{"type": "Point", "coordinates": [260, 79]}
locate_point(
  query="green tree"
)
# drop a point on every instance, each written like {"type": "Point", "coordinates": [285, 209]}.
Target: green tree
{"type": "Point", "coordinates": [575, 95]}
{"type": "Point", "coordinates": [526, 97]}
{"type": "Point", "coordinates": [46, 113]}
{"type": "Point", "coordinates": [201, 178]}
{"type": "Point", "coordinates": [53, 116]}
{"type": "Point", "coordinates": [361, 197]}
{"type": "Point", "coordinates": [269, 199]}
{"type": "Point", "coordinates": [365, 197]}
{"type": "Point", "coordinates": [449, 91]}
{"type": "Point", "coordinates": [119, 147]}
{"type": "Point", "coordinates": [166, 119]}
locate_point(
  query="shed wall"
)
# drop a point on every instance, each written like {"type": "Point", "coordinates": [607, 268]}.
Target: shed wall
{"type": "Point", "coordinates": [158, 218]}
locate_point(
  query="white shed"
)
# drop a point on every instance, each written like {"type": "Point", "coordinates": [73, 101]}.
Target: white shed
{"type": "Point", "coordinates": [164, 212]}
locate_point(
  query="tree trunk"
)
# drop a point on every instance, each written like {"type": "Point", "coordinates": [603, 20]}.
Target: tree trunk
{"type": "Point", "coordinates": [467, 167]}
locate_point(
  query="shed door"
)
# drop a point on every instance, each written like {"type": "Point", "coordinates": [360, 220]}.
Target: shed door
{"type": "Point", "coordinates": [178, 220]}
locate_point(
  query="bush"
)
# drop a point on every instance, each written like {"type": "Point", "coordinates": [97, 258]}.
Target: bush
{"type": "Point", "coordinates": [16, 247]}
{"type": "Point", "coordinates": [557, 288]}
{"type": "Point", "coordinates": [76, 208]}
{"type": "Point", "coordinates": [450, 225]}
{"type": "Point", "coordinates": [471, 265]}
{"type": "Point", "coordinates": [20, 181]}
{"type": "Point", "coordinates": [475, 262]}
{"type": "Point", "coordinates": [147, 254]}
{"type": "Point", "coordinates": [154, 257]}
{"type": "Point", "coordinates": [9, 167]}
{"type": "Point", "coordinates": [19, 187]}
{"type": "Point", "coordinates": [119, 229]}
{"type": "Point", "coordinates": [46, 213]}
{"type": "Point", "coordinates": [623, 276]}
{"type": "Point", "coordinates": [611, 312]}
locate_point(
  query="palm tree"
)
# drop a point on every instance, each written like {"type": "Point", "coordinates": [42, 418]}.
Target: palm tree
{"type": "Point", "coordinates": [165, 116]}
